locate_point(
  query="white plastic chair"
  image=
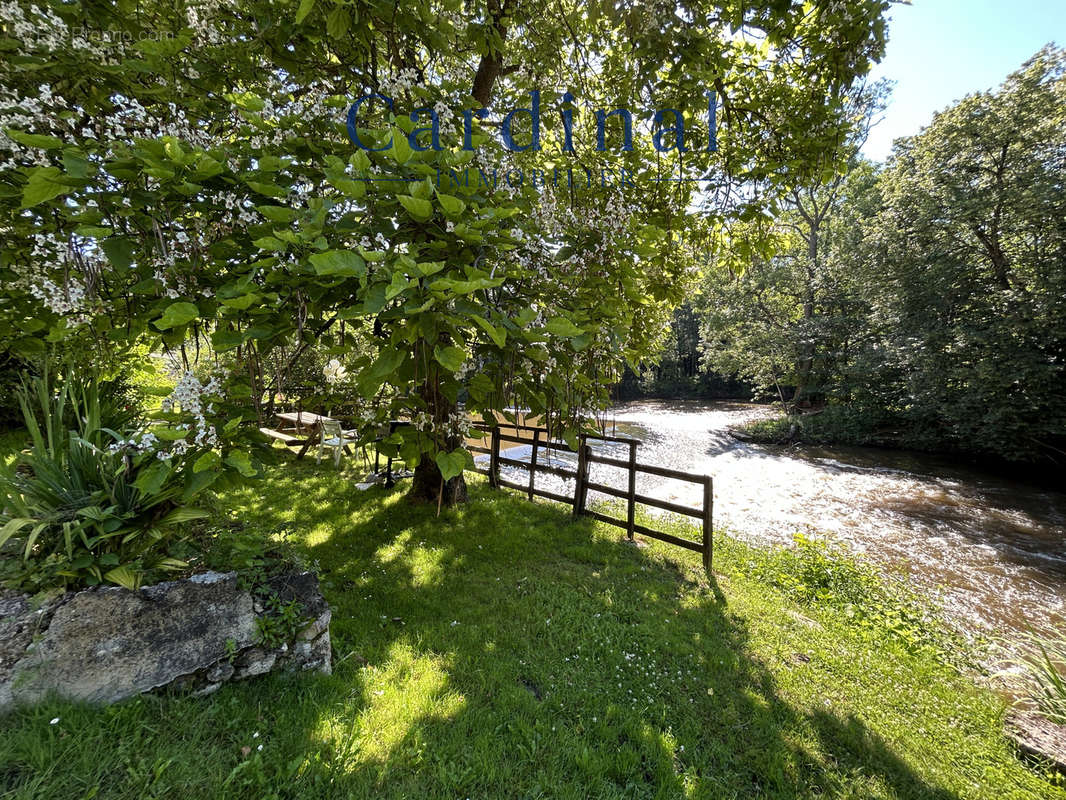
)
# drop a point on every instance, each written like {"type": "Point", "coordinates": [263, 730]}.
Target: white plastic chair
{"type": "Point", "coordinates": [332, 438]}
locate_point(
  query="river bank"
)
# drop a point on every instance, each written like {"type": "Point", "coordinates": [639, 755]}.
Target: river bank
{"type": "Point", "coordinates": [986, 548]}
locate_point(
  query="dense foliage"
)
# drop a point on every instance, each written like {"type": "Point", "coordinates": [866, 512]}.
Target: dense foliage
{"type": "Point", "coordinates": [926, 296]}
{"type": "Point", "coordinates": [97, 497]}
{"type": "Point", "coordinates": [180, 174]}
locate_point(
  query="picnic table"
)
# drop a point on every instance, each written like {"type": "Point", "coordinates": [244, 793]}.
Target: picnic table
{"type": "Point", "coordinates": [305, 428]}
{"type": "Point", "coordinates": [299, 427]}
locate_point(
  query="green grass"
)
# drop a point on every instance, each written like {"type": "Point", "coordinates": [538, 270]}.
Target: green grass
{"type": "Point", "coordinates": [504, 650]}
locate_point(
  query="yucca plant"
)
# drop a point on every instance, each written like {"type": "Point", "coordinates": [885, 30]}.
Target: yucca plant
{"type": "Point", "coordinates": [1043, 667]}
{"type": "Point", "coordinates": [84, 508]}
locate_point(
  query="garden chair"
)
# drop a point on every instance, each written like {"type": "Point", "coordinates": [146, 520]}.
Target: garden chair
{"type": "Point", "coordinates": [333, 439]}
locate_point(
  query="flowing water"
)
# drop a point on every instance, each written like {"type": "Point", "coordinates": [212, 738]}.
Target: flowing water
{"type": "Point", "coordinates": [991, 550]}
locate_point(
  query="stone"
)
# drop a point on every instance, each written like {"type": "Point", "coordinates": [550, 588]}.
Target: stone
{"type": "Point", "coordinates": [256, 661]}
{"type": "Point", "coordinates": [1038, 737]}
{"type": "Point", "coordinates": [105, 644]}
{"type": "Point", "coordinates": [220, 673]}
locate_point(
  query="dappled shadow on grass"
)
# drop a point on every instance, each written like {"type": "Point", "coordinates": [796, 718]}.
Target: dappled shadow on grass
{"type": "Point", "coordinates": [500, 650]}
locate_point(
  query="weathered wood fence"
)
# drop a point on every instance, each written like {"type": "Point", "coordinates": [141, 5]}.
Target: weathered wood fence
{"type": "Point", "coordinates": [537, 439]}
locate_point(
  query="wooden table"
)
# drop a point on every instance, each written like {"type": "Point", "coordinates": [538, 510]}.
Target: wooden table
{"type": "Point", "coordinates": [307, 423]}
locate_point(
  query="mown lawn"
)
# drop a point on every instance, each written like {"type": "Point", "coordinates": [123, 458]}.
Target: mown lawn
{"type": "Point", "coordinates": [505, 650]}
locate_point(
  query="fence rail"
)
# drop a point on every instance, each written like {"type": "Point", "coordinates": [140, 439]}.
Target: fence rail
{"type": "Point", "coordinates": [538, 439]}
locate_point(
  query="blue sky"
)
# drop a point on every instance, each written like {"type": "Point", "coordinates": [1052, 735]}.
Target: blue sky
{"type": "Point", "coordinates": [941, 50]}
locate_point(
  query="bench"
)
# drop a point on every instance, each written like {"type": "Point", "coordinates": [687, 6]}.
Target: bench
{"type": "Point", "coordinates": [284, 438]}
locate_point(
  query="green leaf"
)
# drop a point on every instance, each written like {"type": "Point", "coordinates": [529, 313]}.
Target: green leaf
{"type": "Point", "coordinates": [241, 462]}
{"type": "Point", "coordinates": [270, 243]}
{"type": "Point", "coordinates": [400, 151]}
{"type": "Point", "coordinates": [451, 358]}
{"type": "Point", "coordinates": [498, 336]}
{"type": "Point", "coordinates": [44, 184]}
{"type": "Point", "coordinates": [452, 206]}
{"type": "Point", "coordinates": [119, 251]}
{"type": "Point", "coordinates": [35, 139]}
{"type": "Point", "coordinates": [561, 326]}
{"type": "Point", "coordinates": [453, 463]}
{"type": "Point", "coordinates": [125, 577]}
{"type": "Point", "coordinates": [12, 527]}
{"type": "Point", "coordinates": [223, 340]}
{"type": "Point", "coordinates": [279, 214]}
{"type": "Point", "coordinates": [420, 210]}
{"type": "Point", "coordinates": [177, 314]}
{"type": "Point", "coordinates": [397, 287]}
{"type": "Point", "coordinates": [339, 262]}
{"type": "Point", "coordinates": [305, 8]}
{"type": "Point", "coordinates": [207, 461]}
{"type": "Point", "coordinates": [387, 362]}
{"type": "Point", "coordinates": [179, 515]}
{"type": "Point", "coordinates": [151, 480]}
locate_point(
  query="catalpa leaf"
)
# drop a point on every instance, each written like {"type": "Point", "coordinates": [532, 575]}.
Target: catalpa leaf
{"type": "Point", "coordinates": [177, 314]}
{"type": "Point", "coordinates": [339, 262]}
{"type": "Point", "coordinates": [451, 358]}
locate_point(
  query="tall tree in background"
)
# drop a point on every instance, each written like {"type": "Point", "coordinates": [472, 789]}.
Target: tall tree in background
{"type": "Point", "coordinates": [781, 303]}
{"type": "Point", "coordinates": [970, 265]}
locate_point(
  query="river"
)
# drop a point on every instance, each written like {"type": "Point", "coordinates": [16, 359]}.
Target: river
{"type": "Point", "coordinates": [989, 550]}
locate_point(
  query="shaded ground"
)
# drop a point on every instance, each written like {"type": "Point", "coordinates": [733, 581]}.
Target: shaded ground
{"type": "Point", "coordinates": [504, 650]}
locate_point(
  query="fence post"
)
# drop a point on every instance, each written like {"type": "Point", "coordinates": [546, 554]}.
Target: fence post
{"type": "Point", "coordinates": [708, 514]}
{"type": "Point", "coordinates": [582, 470]}
{"type": "Point", "coordinates": [631, 514]}
{"type": "Point", "coordinates": [494, 460]}
{"type": "Point", "coordinates": [533, 462]}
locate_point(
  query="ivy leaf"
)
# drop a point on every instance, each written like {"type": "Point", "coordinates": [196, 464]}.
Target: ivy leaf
{"type": "Point", "coordinates": [451, 358]}
{"type": "Point", "coordinates": [419, 209]}
{"type": "Point", "coordinates": [177, 314]}
{"type": "Point", "coordinates": [44, 184]}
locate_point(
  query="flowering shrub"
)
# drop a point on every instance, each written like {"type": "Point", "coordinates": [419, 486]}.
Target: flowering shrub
{"type": "Point", "coordinates": [191, 180]}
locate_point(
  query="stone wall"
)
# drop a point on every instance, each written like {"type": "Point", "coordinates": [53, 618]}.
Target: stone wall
{"type": "Point", "coordinates": [102, 645]}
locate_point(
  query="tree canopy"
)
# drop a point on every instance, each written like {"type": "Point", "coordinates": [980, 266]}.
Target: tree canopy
{"type": "Point", "coordinates": [181, 175]}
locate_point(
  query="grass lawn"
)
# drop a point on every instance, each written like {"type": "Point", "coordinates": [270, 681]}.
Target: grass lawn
{"type": "Point", "coordinates": [505, 650]}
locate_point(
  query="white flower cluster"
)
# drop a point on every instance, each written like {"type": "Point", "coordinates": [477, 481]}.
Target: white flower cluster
{"type": "Point", "coordinates": [403, 80]}
{"type": "Point", "coordinates": [334, 372]}
{"type": "Point", "coordinates": [45, 30]}
{"type": "Point", "coordinates": [188, 396]}
{"type": "Point", "coordinates": [64, 300]}
{"type": "Point", "coordinates": [423, 422]}
{"type": "Point", "coordinates": [32, 115]}
{"type": "Point", "coordinates": [146, 442]}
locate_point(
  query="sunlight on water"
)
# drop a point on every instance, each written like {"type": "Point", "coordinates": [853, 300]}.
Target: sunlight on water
{"type": "Point", "coordinates": [991, 550]}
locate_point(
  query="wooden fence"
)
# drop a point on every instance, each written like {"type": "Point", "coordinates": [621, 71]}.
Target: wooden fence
{"type": "Point", "coordinates": [537, 439]}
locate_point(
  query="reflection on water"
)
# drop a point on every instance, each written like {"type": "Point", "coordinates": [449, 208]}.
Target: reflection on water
{"type": "Point", "coordinates": [993, 551]}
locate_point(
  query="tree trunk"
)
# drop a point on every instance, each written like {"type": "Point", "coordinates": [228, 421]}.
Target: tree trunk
{"type": "Point", "coordinates": [426, 486]}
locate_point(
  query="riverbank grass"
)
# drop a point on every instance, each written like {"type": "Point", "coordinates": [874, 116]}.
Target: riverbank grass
{"type": "Point", "coordinates": [504, 650]}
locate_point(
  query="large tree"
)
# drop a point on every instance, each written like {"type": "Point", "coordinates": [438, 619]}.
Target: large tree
{"type": "Point", "coordinates": [182, 174]}
{"type": "Point", "coordinates": [970, 257]}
